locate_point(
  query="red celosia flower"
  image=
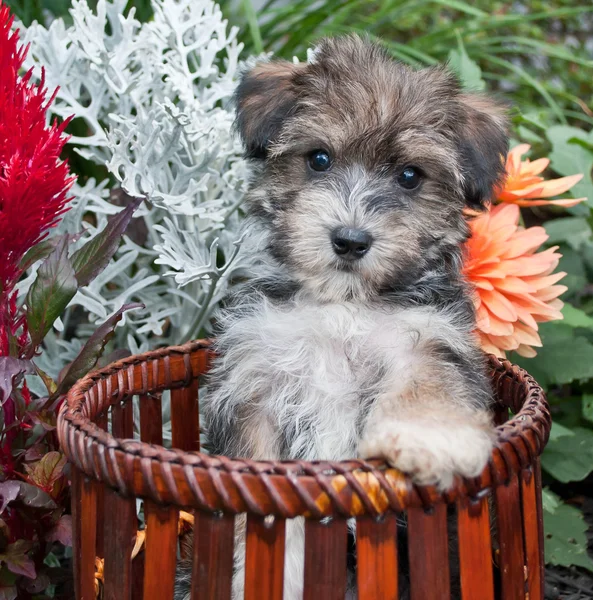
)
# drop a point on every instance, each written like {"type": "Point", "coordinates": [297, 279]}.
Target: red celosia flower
{"type": "Point", "coordinates": [515, 286]}
{"type": "Point", "coordinates": [33, 181]}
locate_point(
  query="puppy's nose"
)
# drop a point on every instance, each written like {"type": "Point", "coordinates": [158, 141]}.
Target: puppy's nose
{"type": "Point", "coordinates": [351, 244]}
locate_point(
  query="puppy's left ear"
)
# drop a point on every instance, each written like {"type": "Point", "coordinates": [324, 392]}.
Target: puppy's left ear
{"type": "Point", "coordinates": [484, 143]}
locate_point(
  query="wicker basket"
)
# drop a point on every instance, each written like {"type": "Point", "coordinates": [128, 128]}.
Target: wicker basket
{"type": "Point", "coordinates": [111, 470]}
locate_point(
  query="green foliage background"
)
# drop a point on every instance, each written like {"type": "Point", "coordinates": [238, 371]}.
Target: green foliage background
{"type": "Point", "coordinates": [538, 56]}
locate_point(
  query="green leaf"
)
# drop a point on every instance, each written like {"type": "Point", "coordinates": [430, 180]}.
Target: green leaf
{"type": "Point", "coordinates": [570, 457]}
{"type": "Point", "coordinates": [16, 559]}
{"type": "Point", "coordinates": [44, 249]}
{"type": "Point", "coordinates": [550, 501]}
{"type": "Point", "coordinates": [92, 350]}
{"type": "Point", "coordinates": [50, 293]}
{"type": "Point", "coordinates": [95, 255]}
{"type": "Point", "coordinates": [251, 16]}
{"type": "Point", "coordinates": [559, 431]}
{"type": "Point", "coordinates": [565, 537]}
{"type": "Point", "coordinates": [466, 69]}
{"type": "Point", "coordinates": [572, 262]}
{"type": "Point", "coordinates": [564, 357]}
{"type": "Point", "coordinates": [576, 317]}
{"type": "Point", "coordinates": [575, 231]}
{"type": "Point", "coordinates": [588, 407]}
{"type": "Point", "coordinates": [568, 157]}
{"type": "Point", "coordinates": [527, 135]}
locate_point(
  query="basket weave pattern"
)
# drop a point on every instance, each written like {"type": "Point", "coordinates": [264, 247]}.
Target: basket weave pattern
{"type": "Point", "coordinates": [111, 470]}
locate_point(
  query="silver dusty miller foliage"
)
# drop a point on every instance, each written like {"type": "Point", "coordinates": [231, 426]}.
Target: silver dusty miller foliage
{"type": "Point", "coordinates": [151, 104]}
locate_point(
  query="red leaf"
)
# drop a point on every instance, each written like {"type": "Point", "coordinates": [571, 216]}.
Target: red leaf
{"type": "Point", "coordinates": [95, 255]}
{"type": "Point", "coordinates": [45, 418]}
{"type": "Point", "coordinates": [16, 559]}
{"type": "Point", "coordinates": [50, 293]}
{"type": "Point", "coordinates": [62, 532]}
{"type": "Point", "coordinates": [9, 368]}
{"type": "Point", "coordinates": [9, 490]}
{"type": "Point", "coordinates": [92, 350]}
{"type": "Point", "coordinates": [47, 471]}
{"type": "Point", "coordinates": [7, 592]}
{"type": "Point", "coordinates": [28, 494]}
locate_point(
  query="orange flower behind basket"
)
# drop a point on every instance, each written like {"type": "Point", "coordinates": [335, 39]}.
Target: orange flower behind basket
{"type": "Point", "coordinates": [524, 186]}
{"type": "Point", "coordinates": [515, 286]}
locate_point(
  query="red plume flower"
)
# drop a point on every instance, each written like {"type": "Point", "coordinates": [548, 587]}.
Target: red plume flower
{"type": "Point", "coordinates": [33, 181]}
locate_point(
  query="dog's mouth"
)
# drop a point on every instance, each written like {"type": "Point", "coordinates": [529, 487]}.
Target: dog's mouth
{"type": "Point", "coordinates": [347, 266]}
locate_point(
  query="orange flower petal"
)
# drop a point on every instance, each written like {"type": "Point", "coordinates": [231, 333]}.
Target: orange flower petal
{"type": "Point", "coordinates": [551, 293]}
{"type": "Point", "coordinates": [483, 284]}
{"type": "Point", "coordinates": [491, 348]}
{"type": "Point", "coordinates": [526, 335]}
{"type": "Point", "coordinates": [524, 242]}
{"type": "Point", "coordinates": [553, 187]}
{"type": "Point", "coordinates": [526, 351]}
{"type": "Point", "coordinates": [534, 167]}
{"type": "Point", "coordinates": [494, 326]}
{"type": "Point", "coordinates": [539, 283]}
{"type": "Point", "coordinates": [524, 185]}
{"type": "Point", "coordinates": [499, 305]}
{"type": "Point", "coordinates": [504, 342]}
{"type": "Point", "coordinates": [567, 203]}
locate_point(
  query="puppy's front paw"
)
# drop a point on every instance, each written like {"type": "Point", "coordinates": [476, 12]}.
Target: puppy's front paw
{"type": "Point", "coordinates": [432, 453]}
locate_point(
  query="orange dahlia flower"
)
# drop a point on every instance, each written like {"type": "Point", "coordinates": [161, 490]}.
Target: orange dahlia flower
{"type": "Point", "coordinates": [515, 287]}
{"type": "Point", "coordinates": [524, 185]}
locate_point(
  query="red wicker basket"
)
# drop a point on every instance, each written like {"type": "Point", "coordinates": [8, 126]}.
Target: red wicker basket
{"type": "Point", "coordinates": [111, 470]}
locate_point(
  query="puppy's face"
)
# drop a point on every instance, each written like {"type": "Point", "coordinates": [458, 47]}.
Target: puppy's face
{"type": "Point", "coordinates": [365, 166]}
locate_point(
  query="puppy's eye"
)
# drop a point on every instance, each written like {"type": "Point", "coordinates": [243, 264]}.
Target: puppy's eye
{"type": "Point", "coordinates": [409, 178]}
{"type": "Point", "coordinates": [320, 160]}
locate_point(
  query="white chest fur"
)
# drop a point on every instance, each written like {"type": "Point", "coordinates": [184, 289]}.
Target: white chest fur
{"type": "Point", "coordinates": [310, 371]}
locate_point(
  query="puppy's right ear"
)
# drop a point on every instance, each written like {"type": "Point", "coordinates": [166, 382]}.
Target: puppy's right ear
{"type": "Point", "coordinates": [265, 97]}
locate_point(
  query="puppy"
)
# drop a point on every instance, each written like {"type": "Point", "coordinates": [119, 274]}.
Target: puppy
{"type": "Point", "coordinates": [355, 335]}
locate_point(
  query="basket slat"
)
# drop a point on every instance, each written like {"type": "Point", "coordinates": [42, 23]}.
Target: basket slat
{"type": "Point", "coordinates": [325, 559]}
{"type": "Point", "coordinates": [214, 538]}
{"type": "Point", "coordinates": [120, 530]}
{"type": "Point", "coordinates": [151, 419]}
{"type": "Point", "coordinates": [376, 557]}
{"type": "Point", "coordinates": [185, 419]}
{"type": "Point", "coordinates": [531, 536]}
{"type": "Point", "coordinates": [84, 531]}
{"type": "Point", "coordinates": [264, 558]}
{"type": "Point", "coordinates": [475, 550]}
{"type": "Point", "coordinates": [160, 554]}
{"type": "Point", "coordinates": [510, 535]}
{"type": "Point", "coordinates": [428, 550]}
{"type": "Point", "coordinates": [540, 523]}
{"type": "Point", "coordinates": [120, 524]}
{"type": "Point", "coordinates": [100, 491]}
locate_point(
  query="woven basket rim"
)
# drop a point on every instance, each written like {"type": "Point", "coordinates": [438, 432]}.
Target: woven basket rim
{"type": "Point", "coordinates": [296, 487]}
